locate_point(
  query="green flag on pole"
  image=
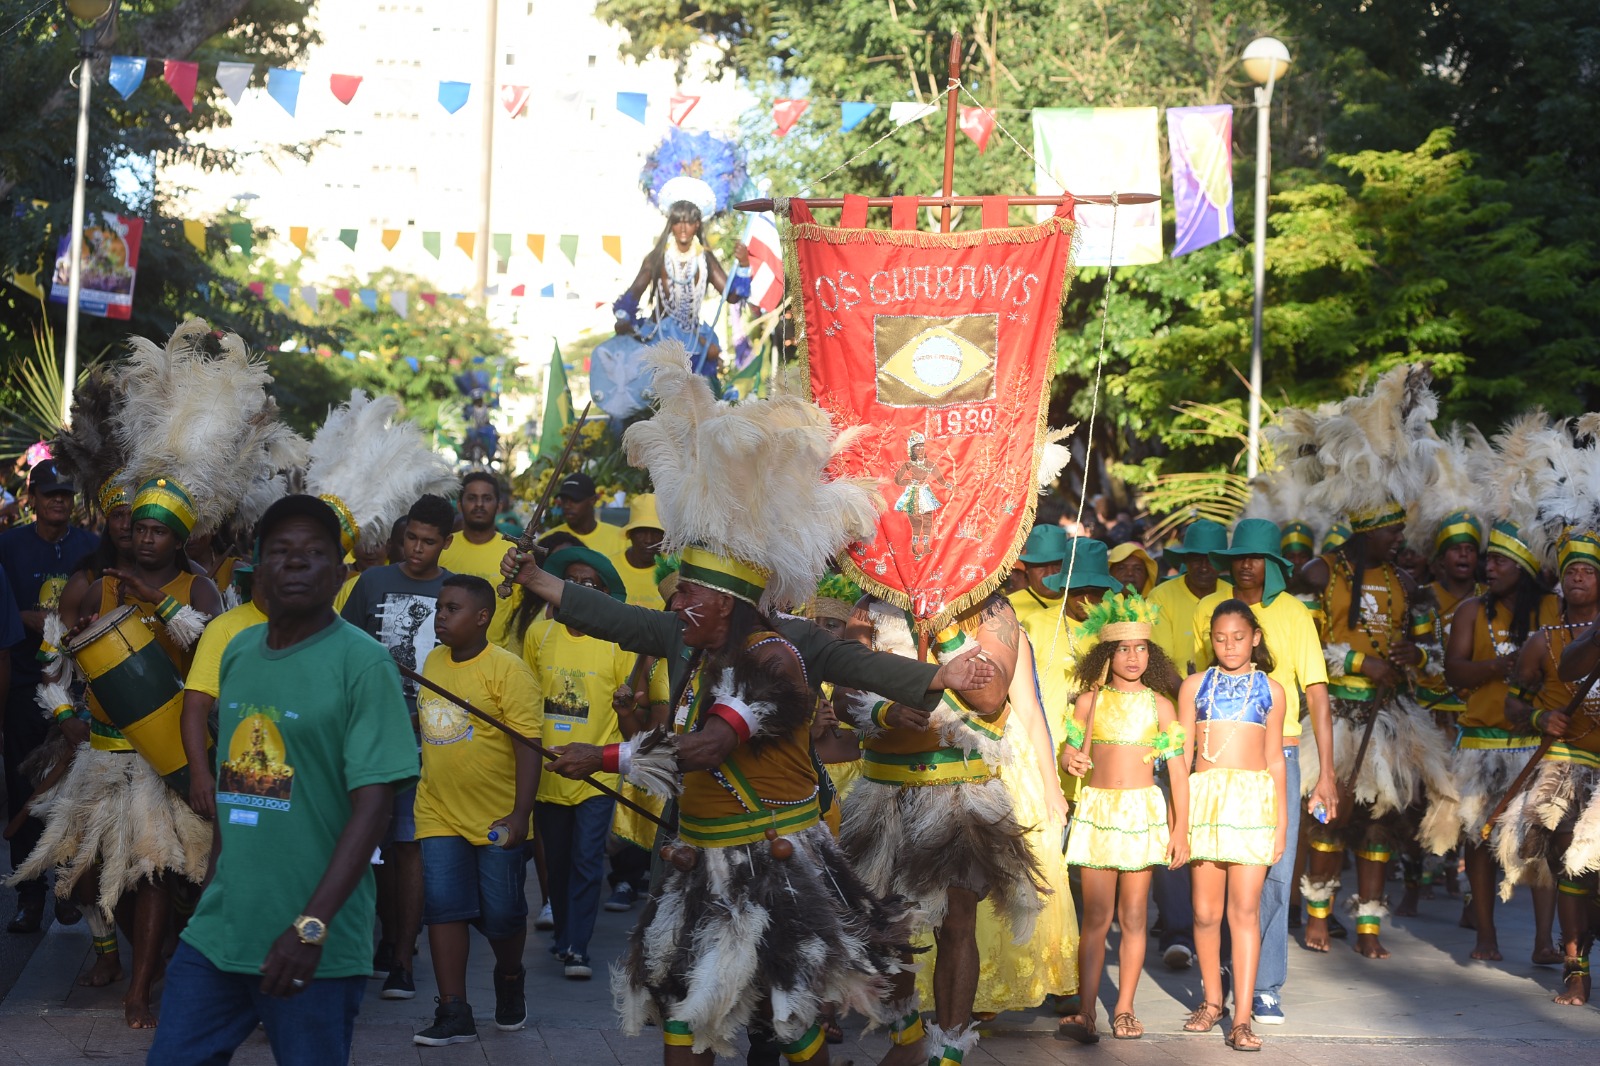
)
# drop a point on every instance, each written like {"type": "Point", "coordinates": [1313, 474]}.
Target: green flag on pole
{"type": "Point", "coordinates": [747, 380]}
{"type": "Point", "coordinates": [557, 410]}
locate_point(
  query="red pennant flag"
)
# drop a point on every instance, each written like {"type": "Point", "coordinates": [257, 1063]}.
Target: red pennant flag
{"type": "Point", "coordinates": [680, 106]}
{"type": "Point", "coordinates": [343, 296]}
{"type": "Point", "coordinates": [514, 98]}
{"type": "Point", "coordinates": [259, 288]}
{"type": "Point", "coordinates": [430, 298]}
{"type": "Point", "coordinates": [978, 123]}
{"type": "Point", "coordinates": [787, 112]}
{"type": "Point", "coordinates": [344, 86]}
{"type": "Point", "coordinates": [182, 77]}
{"type": "Point", "coordinates": [519, 290]}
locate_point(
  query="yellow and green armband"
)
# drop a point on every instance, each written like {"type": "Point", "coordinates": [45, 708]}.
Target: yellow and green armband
{"type": "Point", "coordinates": [880, 714]}
{"type": "Point", "coordinates": [1075, 734]}
{"type": "Point", "coordinates": [1353, 661]}
{"type": "Point", "coordinates": [1167, 744]}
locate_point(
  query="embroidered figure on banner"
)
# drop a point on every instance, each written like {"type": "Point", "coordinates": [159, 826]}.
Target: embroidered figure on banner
{"type": "Point", "coordinates": [918, 502]}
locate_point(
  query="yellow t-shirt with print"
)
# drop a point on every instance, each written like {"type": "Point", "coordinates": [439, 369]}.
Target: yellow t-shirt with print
{"type": "Point", "coordinates": [469, 778]}
{"type": "Point", "coordinates": [578, 676]}
{"type": "Point", "coordinates": [206, 670]}
{"type": "Point", "coordinates": [345, 589]}
{"type": "Point", "coordinates": [605, 538]}
{"type": "Point", "coordinates": [1173, 631]}
{"type": "Point", "coordinates": [483, 560]}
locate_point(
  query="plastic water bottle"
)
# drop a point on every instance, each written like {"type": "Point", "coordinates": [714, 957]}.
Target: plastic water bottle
{"type": "Point", "coordinates": [498, 836]}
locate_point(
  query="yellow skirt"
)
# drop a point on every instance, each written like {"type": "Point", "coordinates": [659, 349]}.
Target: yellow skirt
{"type": "Point", "coordinates": [1233, 816]}
{"type": "Point", "coordinates": [1118, 829]}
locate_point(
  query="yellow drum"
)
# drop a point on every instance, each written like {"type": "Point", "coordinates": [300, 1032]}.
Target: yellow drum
{"type": "Point", "coordinates": [138, 688]}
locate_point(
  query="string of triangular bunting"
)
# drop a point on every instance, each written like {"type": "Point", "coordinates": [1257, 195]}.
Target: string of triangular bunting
{"type": "Point", "coordinates": [503, 245]}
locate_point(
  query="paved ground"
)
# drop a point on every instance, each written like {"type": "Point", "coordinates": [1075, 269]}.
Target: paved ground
{"type": "Point", "coordinates": [1426, 1005]}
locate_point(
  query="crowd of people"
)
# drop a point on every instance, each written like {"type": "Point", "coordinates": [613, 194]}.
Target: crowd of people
{"type": "Point", "coordinates": [273, 703]}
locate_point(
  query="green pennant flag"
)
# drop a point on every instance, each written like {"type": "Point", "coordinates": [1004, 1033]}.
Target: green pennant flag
{"type": "Point", "coordinates": [430, 241]}
{"type": "Point", "coordinates": [569, 247]}
{"type": "Point", "coordinates": [243, 235]}
{"type": "Point", "coordinates": [557, 410]}
{"type": "Point", "coordinates": [747, 380]}
{"type": "Point", "coordinates": [348, 238]}
{"type": "Point", "coordinates": [502, 246]}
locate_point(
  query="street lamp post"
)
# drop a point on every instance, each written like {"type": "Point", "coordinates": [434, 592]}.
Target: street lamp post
{"type": "Point", "coordinates": [1265, 61]}
{"type": "Point", "coordinates": [94, 15]}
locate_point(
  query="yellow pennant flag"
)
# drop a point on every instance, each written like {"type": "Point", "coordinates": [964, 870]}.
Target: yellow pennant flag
{"type": "Point", "coordinates": [195, 234]}
{"type": "Point", "coordinates": [467, 242]}
{"type": "Point", "coordinates": [536, 245]}
{"type": "Point", "coordinates": [391, 237]}
{"type": "Point", "coordinates": [297, 236]}
{"type": "Point", "coordinates": [612, 247]}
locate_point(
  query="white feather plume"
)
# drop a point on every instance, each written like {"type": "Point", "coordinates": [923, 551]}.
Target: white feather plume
{"type": "Point", "coordinates": [376, 464]}
{"type": "Point", "coordinates": [1377, 447]}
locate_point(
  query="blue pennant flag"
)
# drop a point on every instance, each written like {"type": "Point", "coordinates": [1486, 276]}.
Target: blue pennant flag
{"type": "Point", "coordinates": [127, 73]}
{"type": "Point", "coordinates": [851, 114]}
{"type": "Point", "coordinates": [369, 297]}
{"type": "Point", "coordinates": [633, 105]}
{"type": "Point", "coordinates": [348, 354]}
{"type": "Point", "coordinates": [282, 294]}
{"type": "Point", "coordinates": [411, 361]}
{"type": "Point", "coordinates": [548, 290]}
{"type": "Point", "coordinates": [453, 95]}
{"type": "Point", "coordinates": [284, 87]}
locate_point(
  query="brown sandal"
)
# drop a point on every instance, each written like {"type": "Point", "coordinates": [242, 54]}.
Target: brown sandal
{"type": "Point", "coordinates": [1126, 1027]}
{"type": "Point", "coordinates": [1203, 1018]}
{"type": "Point", "coordinates": [1241, 1038]}
{"type": "Point", "coordinates": [1078, 1027]}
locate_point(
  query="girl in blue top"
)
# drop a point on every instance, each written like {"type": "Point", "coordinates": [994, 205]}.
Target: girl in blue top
{"type": "Point", "coordinates": [1232, 713]}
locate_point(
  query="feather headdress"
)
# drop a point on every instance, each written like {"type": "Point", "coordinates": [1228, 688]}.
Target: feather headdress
{"type": "Point", "coordinates": [196, 424]}
{"type": "Point", "coordinates": [1568, 492]}
{"type": "Point", "coordinates": [1447, 512]}
{"type": "Point", "coordinates": [1522, 468]}
{"type": "Point", "coordinates": [742, 490]}
{"type": "Point", "coordinates": [1125, 617]}
{"type": "Point", "coordinates": [1374, 452]}
{"type": "Point", "coordinates": [372, 467]}
{"type": "Point", "coordinates": [86, 451]}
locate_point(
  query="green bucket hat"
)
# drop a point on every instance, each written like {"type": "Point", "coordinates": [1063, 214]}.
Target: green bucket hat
{"type": "Point", "coordinates": [1257, 536]}
{"type": "Point", "coordinates": [558, 561]}
{"type": "Point", "coordinates": [1201, 538]}
{"type": "Point", "coordinates": [1046, 544]}
{"type": "Point", "coordinates": [1086, 559]}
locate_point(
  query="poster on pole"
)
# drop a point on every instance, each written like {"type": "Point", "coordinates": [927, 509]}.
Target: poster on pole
{"type": "Point", "coordinates": [110, 260]}
{"type": "Point", "coordinates": [1201, 140]}
{"type": "Point", "coordinates": [1088, 150]}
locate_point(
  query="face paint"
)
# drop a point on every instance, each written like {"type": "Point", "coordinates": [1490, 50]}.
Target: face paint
{"type": "Point", "coordinates": [691, 613]}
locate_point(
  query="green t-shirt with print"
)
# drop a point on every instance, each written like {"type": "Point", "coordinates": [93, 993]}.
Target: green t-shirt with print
{"type": "Point", "coordinates": [299, 729]}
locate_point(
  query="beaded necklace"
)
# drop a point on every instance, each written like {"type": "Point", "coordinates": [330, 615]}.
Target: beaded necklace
{"type": "Point", "coordinates": [1236, 690]}
{"type": "Point", "coordinates": [1590, 708]}
{"type": "Point", "coordinates": [1380, 639]}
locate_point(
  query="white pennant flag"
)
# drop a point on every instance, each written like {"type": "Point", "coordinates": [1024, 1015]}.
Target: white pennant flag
{"type": "Point", "coordinates": [234, 78]}
{"type": "Point", "coordinates": [399, 302]}
{"type": "Point", "coordinates": [308, 293]}
{"type": "Point", "coordinates": [902, 112]}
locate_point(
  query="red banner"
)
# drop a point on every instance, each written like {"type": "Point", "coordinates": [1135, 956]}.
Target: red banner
{"type": "Point", "coordinates": [937, 348]}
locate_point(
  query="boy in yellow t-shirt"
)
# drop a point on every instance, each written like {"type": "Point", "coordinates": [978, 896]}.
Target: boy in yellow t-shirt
{"type": "Point", "coordinates": [475, 780]}
{"type": "Point", "coordinates": [579, 676]}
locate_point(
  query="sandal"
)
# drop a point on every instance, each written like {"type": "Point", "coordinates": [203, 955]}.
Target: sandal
{"type": "Point", "coordinates": [1203, 1018]}
{"type": "Point", "coordinates": [1126, 1027]}
{"type": "Point", "coordinates": [1241, 1038]}
{"type": "Point", "coordinates": [1078, 1027]}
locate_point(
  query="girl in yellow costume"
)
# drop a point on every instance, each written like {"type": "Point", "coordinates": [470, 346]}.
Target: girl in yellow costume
{"type": "Point", "coordinates": [1013, 976]}
{"type": "Point", "coordinates": [1120, 828]}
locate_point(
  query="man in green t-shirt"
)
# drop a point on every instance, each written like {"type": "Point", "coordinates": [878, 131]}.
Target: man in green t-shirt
{"type": "Point", "coordinates": [313, 739]}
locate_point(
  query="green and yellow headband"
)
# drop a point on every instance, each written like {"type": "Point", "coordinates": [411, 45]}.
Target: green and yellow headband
{"type": "Point", "coordinates": [1337, 534]}
{"type": "Point", "coordinates": [1505, 538]}
{"type": "Point", "coordinates": [1386, 514]}
{"type": "Point", "coordinates": [169, 503]}
{"type": "Point", "coordinates": [723, 573]}
{"type": "Point", "coordinates": [349, 532]}
{"type": "Point", "coordinates": [1458, 527]}
{"type": "Point", "coordinates": [1297, 535]}
{"type": "Point", "coordinates": [112, 495]}
{"type": "Point", "coordinates": [1576, 547]}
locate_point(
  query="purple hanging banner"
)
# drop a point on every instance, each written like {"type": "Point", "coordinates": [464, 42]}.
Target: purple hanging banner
{"type": "Point", "coordinates": [1201, 141]}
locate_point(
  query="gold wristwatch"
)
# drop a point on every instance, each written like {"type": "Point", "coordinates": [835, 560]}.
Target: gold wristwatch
{"type": "Point", "coordinates": [312, 931]}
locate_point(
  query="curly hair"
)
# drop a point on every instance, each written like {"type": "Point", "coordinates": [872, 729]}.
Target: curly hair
{"type": "Point", "coordinates": [1161, 674]}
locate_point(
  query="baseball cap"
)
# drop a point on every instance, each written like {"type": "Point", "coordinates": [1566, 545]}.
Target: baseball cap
{"type": "Point", "coordinates": [46, 477]}
{"type": "Point", "coordinates": [578, 486]}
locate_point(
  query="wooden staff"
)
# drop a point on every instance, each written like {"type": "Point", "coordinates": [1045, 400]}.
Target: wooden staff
{"type": "Point", "coordinates": [1520, 782]}
{"type": "Point", "coordinates": [1366, 739]}
{"type": "Point", "coordinates": [525, 741]}
{"type": "Point", "coordinates": [530, 534]}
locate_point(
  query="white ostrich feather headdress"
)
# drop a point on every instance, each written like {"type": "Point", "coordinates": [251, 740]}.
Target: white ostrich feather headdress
{"type": "Point", "coordinates": [1567, 489]}
{"type": "Point", "coordinates": [742, 489]}
{"type": "Point", "coordinates": [1447, 512]}
{"type": "Point", "coordinates": [371, 467]}
{"type": "Point", "coordinates": [1525, 465]}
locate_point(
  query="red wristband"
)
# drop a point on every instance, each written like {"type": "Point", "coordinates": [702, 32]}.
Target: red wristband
{"type": "Point", "coordinates": [735, 719]}
{"type": "Point", "coordinates": [611, 758]}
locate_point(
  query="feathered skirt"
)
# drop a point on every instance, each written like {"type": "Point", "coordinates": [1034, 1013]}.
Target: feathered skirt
{"type": "Point", "coordinates": [1563, 797]}
{"type": "Point", "coordinates": [919, 841]}
{"type": "Point", "coordinates": [113, 807]}
{"type": "Point", "coordinates": [1118, 829]}
{"type": "Point", "coordinates": [1408, 760]}
{"type": "Point", "coordinates": [1233, 816]}
{"type": "Point", "coordinates": [1482, 776]}
{"type": "Point", "coordinates": [742, 928]}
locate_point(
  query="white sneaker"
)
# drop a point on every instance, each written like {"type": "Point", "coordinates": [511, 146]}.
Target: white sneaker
{"type": "Point", "coordinates": [546, 919]}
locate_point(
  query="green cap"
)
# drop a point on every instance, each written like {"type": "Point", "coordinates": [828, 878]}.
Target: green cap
{"type": "Point", "coordinates": [1046, 544]}
{"type": "Point", "coordinates": [1202, 538]}
{"type": "Point", "coordinates": [1257, 536]}
{"type": "Point", "coordinates": [1086, 559]}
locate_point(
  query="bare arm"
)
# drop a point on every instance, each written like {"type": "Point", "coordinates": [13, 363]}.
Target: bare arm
{"type": "Point", "coordinates": [1178, 777]}
{"type": "Point", "coordinates": [515, 824]}
{"type": "Point", "coordinates": [193, 729]}
{"type": "Point", "coordinates": [998, 635]}
{"type": "Point", "coordinates": [1320, 710]}
{"type": "Point", "coordinates": [1579, 658]}
{"type": "Point", "coordinates": [1276, 766]}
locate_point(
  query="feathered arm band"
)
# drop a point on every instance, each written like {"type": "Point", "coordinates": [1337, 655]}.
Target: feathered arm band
{"type": "Point", "coordinates": [1167, 744]}
{"type": "Point", "coordinates": [648, 759]}
{"type": "Point", "coordinates": [867, 712]}
{"type": "Point", "coordinates": [1342, 662]}
{"type": "Point", "coordinates": [184, 623]}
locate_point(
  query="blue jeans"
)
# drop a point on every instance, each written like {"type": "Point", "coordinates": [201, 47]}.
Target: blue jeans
{"type": "Point", "coordinates": [478, 883]}
{"type": "Point", "coordinates": [1274, 967]}
{"type": "Point", "coordinates": [575, 863]}
{"type": "Point", "coordinates": [206, 1014]}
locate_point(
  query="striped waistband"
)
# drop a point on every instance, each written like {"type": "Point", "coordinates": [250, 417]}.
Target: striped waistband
{"type": "Point", "coordinates": [942, 766]}
{"type": "Point", "coordinates": [1489, 738]}
{"type": "Point", "coordinates": [746, 828]}
{"type": "Point", "coordinates": [1560, 751]}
